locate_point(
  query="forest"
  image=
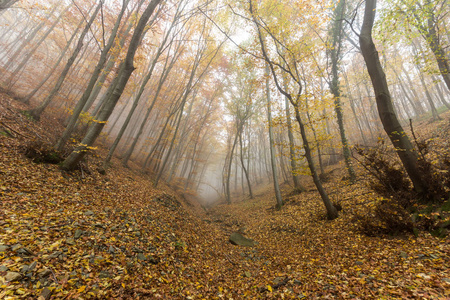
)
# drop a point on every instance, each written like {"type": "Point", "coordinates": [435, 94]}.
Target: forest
{"type": "Point", "coordinates": [217, 149]}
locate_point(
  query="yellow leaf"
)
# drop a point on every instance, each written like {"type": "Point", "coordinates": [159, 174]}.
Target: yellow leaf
{"type": "Point", "coordinates": [123, 285]}
{"type": "Point", "coordinates": [269, 288]}
{"type": "Point", "coordinates": [81, 289]}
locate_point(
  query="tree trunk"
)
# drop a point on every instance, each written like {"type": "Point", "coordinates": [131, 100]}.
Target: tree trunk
{"type": "Point", "coordinates": [5, 4]}
{"type": "Point", "coordinates": [247, 177]}
{"type": "Point", "coordinates": [98, 69]}
{"type": "Point", "coordinates": [335, 53]}
{"type": "Point", "coordinates": [123, 76]}
{"type": "Point", "coordinates": [276, 184]}
{"type": "Point", "coordinates": [292, 156]}
{"type": "Point", "coordinates": [386, 112]}
{"type": "Point", "coordinates": [30, 53]}
{"type": "Point", "coordinates": [52, 70]}
{"type": "Point", "coordinates": [36, 112]}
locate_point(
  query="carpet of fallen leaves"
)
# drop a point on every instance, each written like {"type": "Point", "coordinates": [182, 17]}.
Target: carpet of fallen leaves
{"type": "Point", "coordinates": [89, 236]}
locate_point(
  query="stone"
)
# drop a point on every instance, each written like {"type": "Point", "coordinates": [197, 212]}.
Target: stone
{"type": "Point", "coordinates": [32, 266]}
{"type": "Point", "coordinates": [25, 251]}
{"type": "Point", "coordinates": [46, 294]}
{"type": "Point", "coordinates": [240, 240]}
{"type": "Point", "coordinates": [403, 254]}
{"type": "Point", "coordinates": [70, 241]}
{"type": "Point", "coordinates": [3, 248]}
{"type": "Point", "coordinates": [44, 273]}
{"type": "Point", "coordinates": [78, 233]}
{"type": "Point", "coordinates": [3, 268]}
{"type": "Point", "coordinates": [55, 254]}
{"type": "Point", "coordinates": [446, 280]}
{"type": "Point", "coordinates": [60, 210]}
{"type": "Point", "coordinates": [247, 274]}
{"type": "Point", "coordinates": [141, 256]}
{"type": "Point", "coordinates": [13, 276]}
{"type": "Point", "coordinates": [111, 250]}
{"type": "Point", "coordinates": [89, 213]}
{"type": "Point", "coordinates": [24, 269]}
{"type": "Point", "coordinates": [358, 263]}
{"type": "Point", "coordinates": [16, 247]}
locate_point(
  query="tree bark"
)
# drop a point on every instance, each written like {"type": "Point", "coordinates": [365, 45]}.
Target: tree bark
{"type": "Point", "coordinates": [5, 4]}
{"type": "Point", "coordinates": [122, 76]}
{"type": "Point", "coordinates": [36, 112]}
{"type": "Point", "coordinates": [390, 122]}
{"type": "Point", "coordinates": [335, 88]}
{"type": "Point", "coordinates": [98, 68]}
{"type": "Point", "coordinates": [276, 184]}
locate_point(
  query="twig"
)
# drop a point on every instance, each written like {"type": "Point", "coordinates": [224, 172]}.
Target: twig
{"type": "Point", "coordinates": [9, 128]}
{"type": "Point", "coordinates": [54, 276]}
{"type": "Point", "coordinates": [415, 139]}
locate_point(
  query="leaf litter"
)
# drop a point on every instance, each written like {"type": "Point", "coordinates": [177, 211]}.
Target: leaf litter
{"type": "Point", "coordinates": [92, 236]}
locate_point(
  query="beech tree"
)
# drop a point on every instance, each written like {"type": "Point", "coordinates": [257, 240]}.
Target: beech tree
{"type": "Point", "coordinates": [430, 20]}
{"type": "Point", "coordinates": [293, 71]}
{"type": "Point", "coordinates": [4, 4]}
{"type": "Point", "coordinates": [121, 79]}
{"type": "Point", "coordinates": [388, 117]}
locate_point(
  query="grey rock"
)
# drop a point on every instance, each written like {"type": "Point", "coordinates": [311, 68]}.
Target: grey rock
{"type": "Point", "coordinates": [359, 263]}
{"type": "Point", "coordinates": [60, 210]}
{"type": "Point", "coordinates": [137, 233]}
{"type": "Point", "coordinates": [3, 248]}
{"type": "Point", "coordinates": [447, 280]}
{"type": "Point", "coordinates": [99, 225]}
{"type": "Point", "coordinates": [32, 266]}
{"type": "Point", "coordinates": [3, 268]}
{"type": "Point", "coordinates": [24, 269]}
{"type": "Point", "coordinates": [78, 233]}
{"type": "Point", "coordinates": [403, 254]}
{"type": "Point", "coordinates": [141, 256]}
{"type": "Point", "coordinates": [111, 250]}
{"type": "Point", "coordinates": [70, 241]}
{"type": "Point", "coordinates": [13, 276]}
{"type": "Point", "coordinates": [25, 251]}
{"type": "Point", "coordinates": [240, 240]}
{"type": "Point", "coordinates": [55, 254]}
{"type": "Point", "coordinates": [89, 213]}
{"type": "Point", "coordinates": [16, 247]}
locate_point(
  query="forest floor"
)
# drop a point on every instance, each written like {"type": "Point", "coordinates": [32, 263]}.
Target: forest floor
{"type": "Point", "coordinates": [84, 235]}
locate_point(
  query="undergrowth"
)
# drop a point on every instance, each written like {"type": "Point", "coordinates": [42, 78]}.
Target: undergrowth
{"type": "Point", "coordinates": [399, 208]}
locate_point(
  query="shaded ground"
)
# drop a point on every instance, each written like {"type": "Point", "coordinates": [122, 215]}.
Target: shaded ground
{"type": "Point", "coordinates": [84, 235]}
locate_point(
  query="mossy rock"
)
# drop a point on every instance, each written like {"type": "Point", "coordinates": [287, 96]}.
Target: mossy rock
{"type": "Point", "coordinates": [240, 240]}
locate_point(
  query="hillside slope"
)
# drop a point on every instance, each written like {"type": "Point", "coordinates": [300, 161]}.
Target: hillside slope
{"type": "Point", "coordinates": [84, 235]}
